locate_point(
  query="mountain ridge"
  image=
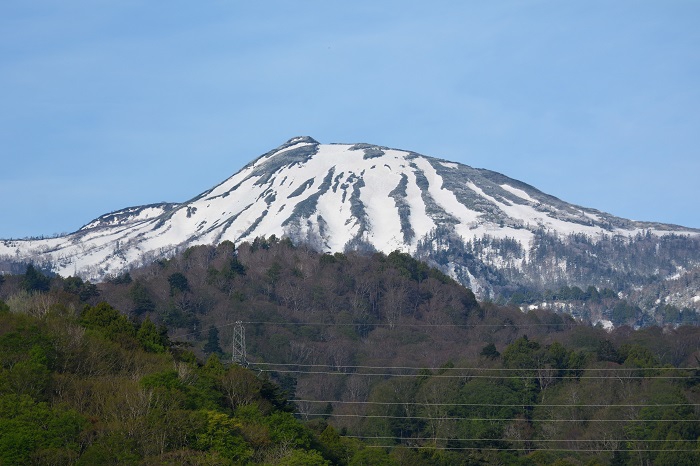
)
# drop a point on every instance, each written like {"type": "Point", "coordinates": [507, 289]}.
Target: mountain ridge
{"type": "Point", "coordinates": [343, 196]}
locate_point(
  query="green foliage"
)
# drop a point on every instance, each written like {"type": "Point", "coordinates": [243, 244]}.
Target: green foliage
{"type": "Point", "coordinates": [667, 403]}
{"type": "Point", "coordinates": [607, 352]}
{"type": "Point", "coordinates": [373, 456]}
{"type": "Point", "coordinates": [522, 354]}
{"type": "Point", "coordinates": [483, 399]}
{"type": "Point", "coordinates": [28, 427]}
{"type": "Point", "coordinates": [304, 458]}
{"type": "Point", "coordinates": [27, 377]}
{"type": "Point", "coordinates": [197, 393]}
{"type": "Point", "coordinates": [285, 429]}
{"type": "Point", "coordinates": [178, 282]}
{"type": "Point", "coordinates": [212, 345]}
{"type": "Point", "coordinates": [408, 266]}
{"type": "Point", "coordinates": [213, 366]}
{"type": "Point", "coordinates": [108, 321]}
{"type": "Point", "coordinates": [333, 446]}
{"type": "Point", "coordinates": [168, 379]}
{"type": "Point", "coordinates": [141, 298]}
{"type": "Point", "coordinates": [235, 268]}
{"type": "Point", "coordinates": [273, 273]}
{"type": "Point", "coordinates": [123, 279]}
{"type": "Point", "coordinates": [26, 357]}
{"type": "Point", "coordinates": [84, 290]}
{"type": "Point", "coordinates": [140, 404]}
{"type": "Point", "coordinates": [624, 312]}
{"type": "Point", "coordinates": [34, 280]}
{"type": "Point", "coordinates": [222, 434]}
{"type": "Point", "coordinates": [114, 448]}
{"type": "Point", "coordinates": [490, 351]}
{"type": "Point", "coordinates": [68, 395]}
{"type": "Point", "coordinates": [152, 339]}
{"type": "Point", "coordinates": [264, 243]}
{"type": "Point", "coordinates": [636, 355]}
{"type": "Point", "coordinates": [327, 259]}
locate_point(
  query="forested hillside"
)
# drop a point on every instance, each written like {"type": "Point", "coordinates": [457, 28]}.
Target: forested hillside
{"type": "Point", "coordinates": [504, 239]}
{"type": "Point", "coordinates": [379, 359]}
{"type": "Point", "coordinates": [94, 388]}
{"type": "Point", "coordinates": [657, 275]}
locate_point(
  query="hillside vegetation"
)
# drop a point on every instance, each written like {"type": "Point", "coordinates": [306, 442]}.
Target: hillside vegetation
{"type": "Point", "coordinates": [352, 359]}
{"type": "Point", "coordinates": [91, 387]}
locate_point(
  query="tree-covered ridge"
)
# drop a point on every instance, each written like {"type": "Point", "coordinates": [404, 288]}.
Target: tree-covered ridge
{"type": "Point", "coordinates": [93, 387]}
{"type": "Point", "coordinates": [393, 355]}
{"type": "Point", "coordinates": [657, 275]}
{"type": "Point", "coordinates": [540, 404]}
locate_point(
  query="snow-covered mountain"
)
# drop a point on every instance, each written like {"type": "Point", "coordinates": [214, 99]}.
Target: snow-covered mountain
{"type": "Point", "coordinates": [482, 227]}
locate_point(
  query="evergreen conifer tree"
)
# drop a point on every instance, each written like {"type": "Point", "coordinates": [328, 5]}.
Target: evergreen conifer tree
{"type": "Point", "coordinates": [212, 345]}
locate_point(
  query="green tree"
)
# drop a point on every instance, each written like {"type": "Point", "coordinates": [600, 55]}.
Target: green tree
{"type": "Point", "coordinates": [212, 345]}
{"type": "Point", "coordinates": [178, 282]}
{"type": "Point", "coordinates": [235, 268]}
{"type": "Point", "coordinates": [107, 320]}
{"type": "Point", "coordinates": [304, 458]}
{"type": "Point", "coordinates": [29, 376]}
{"type": "Point", "coordinates": [141, 298]}
{"type": "Point", "coordinates": [76, 286]}
{"type": "Point", "coordinates": [607, 352]}
{"type": "Point", "coordinates": [28, 427]}
{"type": "Point", "coordinates": [34, 280]}
{"type": "Point", "coordinates": [490, 351]}
{"type": "Point", "coordinates": [152, 339]}
{"type": "Point", "coordinates": [114, 448]}
{"type": "Point", "coordinates": [373, 456]}
{"type": "Point", "coordinates": [223, 435]}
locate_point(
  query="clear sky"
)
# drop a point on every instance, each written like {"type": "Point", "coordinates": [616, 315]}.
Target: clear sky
{"type": "Point", "coordinates": [106, 104]}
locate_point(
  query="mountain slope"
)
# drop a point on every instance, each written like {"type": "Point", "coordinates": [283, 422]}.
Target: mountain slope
{"type": "Point", "coordinates": [340, 196]}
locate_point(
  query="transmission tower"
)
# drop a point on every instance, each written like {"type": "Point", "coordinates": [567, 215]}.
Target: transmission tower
{"type": "Point", "coordinates": [239, 354]}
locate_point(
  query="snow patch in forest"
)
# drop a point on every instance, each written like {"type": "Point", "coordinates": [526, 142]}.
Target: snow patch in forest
{"type": "Point", "coordinates": [607, 325]}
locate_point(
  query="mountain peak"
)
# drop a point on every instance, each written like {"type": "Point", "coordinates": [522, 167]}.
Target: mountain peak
{"type": "Point", "coordinates": [482, 227]}
{"type": "Point", "coordinates": [300, 139]}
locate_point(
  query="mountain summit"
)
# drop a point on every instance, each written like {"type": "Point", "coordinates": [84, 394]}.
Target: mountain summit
{"type": "Point", "coordinates": [485, 229]}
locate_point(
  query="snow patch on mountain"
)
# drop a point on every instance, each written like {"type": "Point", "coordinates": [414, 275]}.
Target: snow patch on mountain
{"type": "Point", "coordinates": [337, 196]}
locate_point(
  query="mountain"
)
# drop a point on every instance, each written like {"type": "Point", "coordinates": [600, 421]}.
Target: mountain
{"type": "Point", "coordinates": [495, 234]}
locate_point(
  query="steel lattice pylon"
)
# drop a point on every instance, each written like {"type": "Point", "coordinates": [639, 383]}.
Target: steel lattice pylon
{"type": "Point", "coordinates": [238, 352]}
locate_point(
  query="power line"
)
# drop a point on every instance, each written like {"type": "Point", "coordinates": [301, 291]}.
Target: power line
{"type": "Point", "coordinates": [495, 369]}
{"type": "Point", "coordinates": [215, 326]}
{"type": "Point", "coordinates": [363, 324]}
{"type": "Point", "coordinates": [447, 439]}
{"type": "Point", "coordinates": [340, 324]}
{"type": "Point", "coordinates": [585, 450]}
{"type": "Point", "coordinates": [569, 405]}
{"type": "Point", "coordinates": [428, 418]}
{"type": "Point", "coordinates": [471, 376]}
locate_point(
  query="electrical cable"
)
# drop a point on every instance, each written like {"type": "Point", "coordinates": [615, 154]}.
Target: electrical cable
{"type": "Point", "coordinates": [470, 376]}
{"type": "Point", "coordinates": [339, 324]}
{"type": "Point", "coordinates": [396, 403]}
{"type": "Point", "coordinates": [584, 450]}
{"type": "Point", "coordinates": [495, 369]}
{"type": "Point", "coordinates": [428, 418]}
{"type": "Point", "coordinates": [447, 439]}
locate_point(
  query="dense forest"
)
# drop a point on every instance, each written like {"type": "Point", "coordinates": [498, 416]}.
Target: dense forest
{"type": "Point", "coordinates": [657, 275]}
{"type": "Point", "coordinates": [93, 387]}
{"type": "Point", "coordinates": [351, 359]}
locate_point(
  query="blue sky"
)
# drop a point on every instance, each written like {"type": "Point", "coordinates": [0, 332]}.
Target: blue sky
{"type": "Point", "coordinates": [108, 104]}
